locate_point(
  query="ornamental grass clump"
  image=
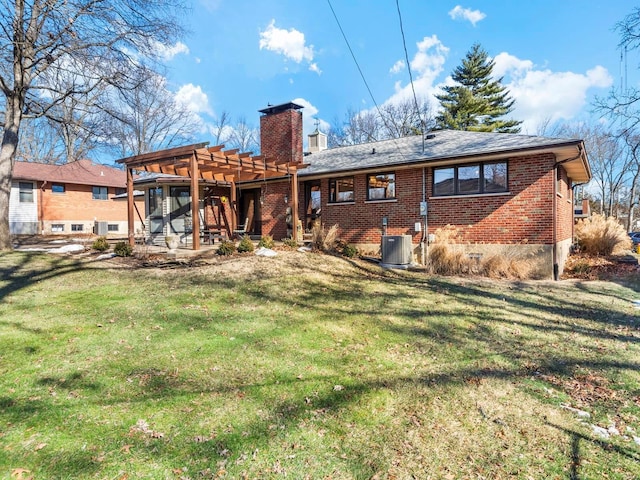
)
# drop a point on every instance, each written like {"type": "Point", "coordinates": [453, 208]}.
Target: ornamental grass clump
{"type": "Point", "coordinates": [444, 257]}
{"type": "Point", "coordinates": [600, 235]}
{"type": "Point", "coordinates": [323, 239]}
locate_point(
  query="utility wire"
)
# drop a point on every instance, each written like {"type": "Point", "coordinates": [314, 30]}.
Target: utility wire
{"type": "Point", "coordinates": [406, 56]}
{"type": "Point", "coordinates": [384, 120]}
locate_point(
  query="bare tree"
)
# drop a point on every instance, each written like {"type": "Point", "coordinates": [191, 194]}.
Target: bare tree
{"type": "Point", "coordinates": [243, 137]}
{"type": "Point", "coordinates": [391, 120]}
{"type": "Point", "coordinates": [39, 142]}
{"type": "Point", "coordinates": [221, 129]}
{"type": "Point", "coordinates": [147, 118]}
{"type": "Point", "coordinates": [610, 161]}
{"type": "Point", "coordinates": [100, 40]}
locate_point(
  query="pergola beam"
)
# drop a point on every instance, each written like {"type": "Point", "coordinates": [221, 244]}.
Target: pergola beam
{"type": "Point", "coordinates": [198, 161]}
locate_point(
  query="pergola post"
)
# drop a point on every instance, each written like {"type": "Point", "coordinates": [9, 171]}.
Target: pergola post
{"type": "Point", "coordinates": [294, 204]}
{"type": "Point", "coordinates": [130, 219]}
{"type": "Point", "coordinates": [234, 211]}
{"type": "Point", "coordinates": [195, 204]}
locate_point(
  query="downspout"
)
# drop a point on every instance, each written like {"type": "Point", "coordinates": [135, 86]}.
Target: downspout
{"type": "Point", "coordinates": [554, 215]}
{"type": "Point", "coordinates": [424, 248]}
{"type": "Point", "coordinates": [41, 207]}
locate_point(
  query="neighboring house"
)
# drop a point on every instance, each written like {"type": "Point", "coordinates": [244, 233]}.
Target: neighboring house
{"type": "Point", "coordinates": [72, 198]}
{"type": "Point", "coordinates": [503, 192]}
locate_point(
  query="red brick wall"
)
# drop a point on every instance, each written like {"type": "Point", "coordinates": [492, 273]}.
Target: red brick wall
{"type": "Point", "coordinates": [522, 216]}
{"type": "Point", "coordinates": [274, 208]}
{"type": "Point", "coordinates": [564, 207]}
{"type": "Point", "coordinates": [281, 135]}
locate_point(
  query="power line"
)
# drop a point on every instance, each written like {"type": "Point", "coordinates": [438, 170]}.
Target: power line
{"type": "Point", "coordinates": [406, 56]}
{"type": "Point", "coordinates": [384, 120]}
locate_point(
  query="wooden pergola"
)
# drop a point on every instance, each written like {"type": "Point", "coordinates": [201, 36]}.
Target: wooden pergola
{"type": "Point", "coordinates": [198, 162]}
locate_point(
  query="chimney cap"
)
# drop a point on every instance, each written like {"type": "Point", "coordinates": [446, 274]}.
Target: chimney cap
{"type": "Point", "coordinates": [271, 109]}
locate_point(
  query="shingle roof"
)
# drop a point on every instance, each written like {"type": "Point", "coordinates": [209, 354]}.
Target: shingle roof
{"type": "Point", "coordinates": [438, 146]}
{"type": "Point", "coordinates": [82, 172]}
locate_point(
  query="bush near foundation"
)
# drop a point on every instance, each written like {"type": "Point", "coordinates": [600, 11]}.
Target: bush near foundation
{"type": "Point", "coordinates": [600, 235]}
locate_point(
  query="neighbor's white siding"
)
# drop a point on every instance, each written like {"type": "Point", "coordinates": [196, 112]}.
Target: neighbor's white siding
{"type": "Point", "coordinates": [23, 217]}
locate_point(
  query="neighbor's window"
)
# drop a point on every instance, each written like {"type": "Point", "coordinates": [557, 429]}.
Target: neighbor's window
{"type": "Point", "coordinates": [477, 178]}
{"type": "Point", "coordinates": [57, 188]}
{"type": "Point", "coordinates": [26, 192]}
{"type": "Point", "coordinates": [112, 227]}
{"type": "Point", "coordinates": [99, 193]}
{"type": "Point", "coordinates": [77, 227]}
{"type": "Point", "coordinates": [381, 186]}
{"type": "Point", "coordinates": [120, 191]}
{"type": "Point", "coordinates": [341, 190]}
{"type": "Point", "coordinates": [57, 227]}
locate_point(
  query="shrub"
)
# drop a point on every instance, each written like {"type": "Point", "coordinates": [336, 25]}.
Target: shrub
{"type": "Point", "coordinates": [123, 249]}
{"type": "Point", "coordinates": [599, 235]}
{"type": "Point", "coordinates": [245, 245]}
{"type": "Point", "coordinates": [226, 248]}
{"type": "Point", "coordinates": [323, 239]}
{"type": "Point", "coordinates": [266, 242]}
{"type": "Point", "coordinates": [290, 242]}
{"type": "Point", "coordinates": [100, 244]}
{"type": "Point", "coordinates": [349, 250]}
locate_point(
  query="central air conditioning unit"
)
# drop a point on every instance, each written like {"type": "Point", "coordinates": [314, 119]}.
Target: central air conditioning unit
{"type": "Point", "coordinates": [101, 228]}
{"type": "Point", "coordinates": [397, 251]}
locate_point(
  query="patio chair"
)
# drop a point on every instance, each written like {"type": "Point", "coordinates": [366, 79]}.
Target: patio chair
{"type": "Point", "coordinates": [242, 230]}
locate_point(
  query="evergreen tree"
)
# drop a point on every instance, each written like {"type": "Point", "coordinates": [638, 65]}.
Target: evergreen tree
{"type": "Point", "coordinates": [476, 102]}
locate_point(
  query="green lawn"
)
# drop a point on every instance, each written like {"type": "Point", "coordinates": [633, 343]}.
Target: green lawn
{"type": "Point", "coordinates": [311, 366]}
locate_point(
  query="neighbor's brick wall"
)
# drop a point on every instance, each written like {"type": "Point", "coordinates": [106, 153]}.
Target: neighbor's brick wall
{"type": "Point", "coordinates": [281, 136]}
{"type": "Point", "coordinates": [77, 204]}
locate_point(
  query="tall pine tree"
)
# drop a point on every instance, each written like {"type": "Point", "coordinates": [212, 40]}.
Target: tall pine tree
{"type": "Point", "coordinates": [476, 102]}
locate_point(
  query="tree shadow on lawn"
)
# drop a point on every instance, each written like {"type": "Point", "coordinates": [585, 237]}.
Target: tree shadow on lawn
{"type": "Point", "coordinates": [576, 457]}
{"type": "Point", "coordinates": [33, 268]}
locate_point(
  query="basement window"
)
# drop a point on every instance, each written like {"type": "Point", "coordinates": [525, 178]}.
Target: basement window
{"type": "Point", "coordinates": [112, 227]}
{"type": "Point", "coordinates": [77, 227]}
{"type": "Point", "coordinates": [57, 228]}
{"type": "Point", "coordinates": [341, 190]}
{"type": "Point", "coordinates": [476, 178]}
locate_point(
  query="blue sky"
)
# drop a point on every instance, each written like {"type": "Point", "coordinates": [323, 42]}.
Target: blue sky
{"type": "Point", "coordinates": [241, 55]}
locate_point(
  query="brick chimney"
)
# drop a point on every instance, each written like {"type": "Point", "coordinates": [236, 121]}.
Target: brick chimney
{"type": "Point", "coordinates": [281, 132]}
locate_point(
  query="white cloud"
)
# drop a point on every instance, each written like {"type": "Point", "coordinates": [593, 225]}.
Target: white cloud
{"type": "Point", "coordinates": [397, 67]}
{"type": "Point", "coordinates": [192, 97]}
{"type": "Point", "coordinates": [314, 68]}
{"type": "Point", "coordinates": [427, 65]}
{"type": "Point", "coordinates": [542, 94]}
{"type": "Point", "coordinates": [168, 52]}
{"type": "Point", "coordinates": [460, 13]}
{"type": "Point", "coordinates": [290, 43]}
